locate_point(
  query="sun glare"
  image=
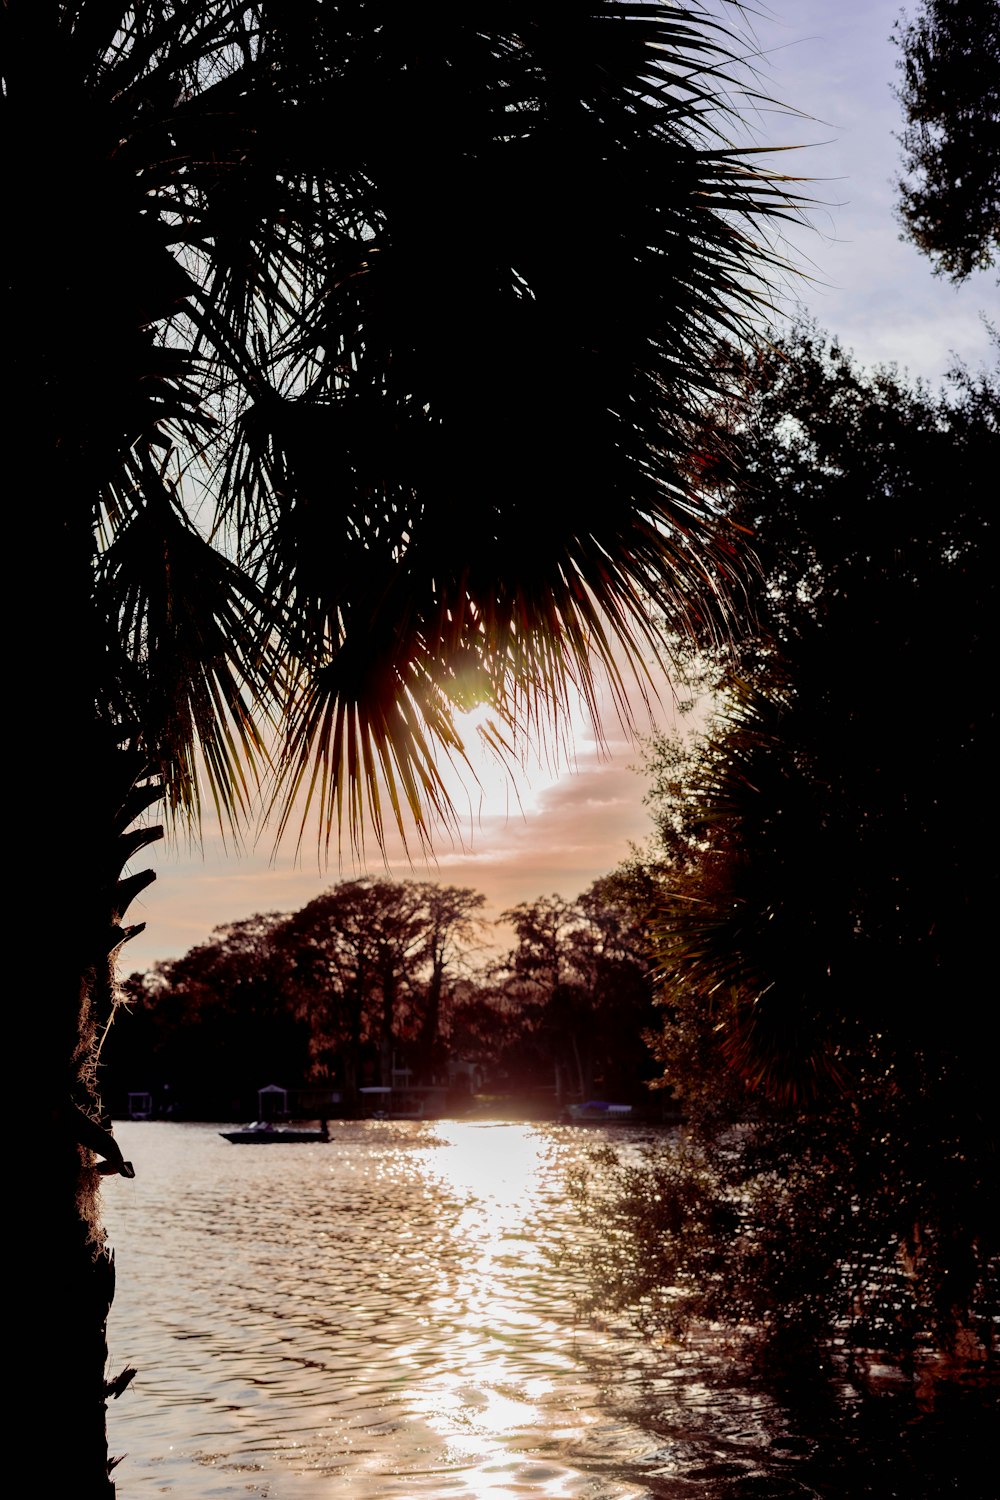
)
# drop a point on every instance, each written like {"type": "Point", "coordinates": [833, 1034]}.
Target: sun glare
{"type": "Point", "coordinates": [471, 720]}
{"type": "Point", "coordinates": [493, 1387]}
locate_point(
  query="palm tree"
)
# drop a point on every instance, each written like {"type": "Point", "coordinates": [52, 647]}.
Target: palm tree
{"type": "Point", "coordinates": [352, 353]}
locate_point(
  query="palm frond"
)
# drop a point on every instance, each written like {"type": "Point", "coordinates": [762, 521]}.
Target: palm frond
{"type": "Point", "coordinates": [192, 650]}
{"type": "Point", "coordinates": [434, 302]}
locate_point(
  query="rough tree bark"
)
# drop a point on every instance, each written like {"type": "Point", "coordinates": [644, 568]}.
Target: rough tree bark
{"type": "Point", "coordinates": [70, 1265]}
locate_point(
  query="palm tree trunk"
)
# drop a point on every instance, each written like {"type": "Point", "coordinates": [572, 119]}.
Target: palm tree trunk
{"type": "Point", "coordinates": [69, 1265]}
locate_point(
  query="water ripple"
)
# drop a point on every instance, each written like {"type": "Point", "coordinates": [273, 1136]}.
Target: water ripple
{"type": "Point", "coordinates": [389, 1315]}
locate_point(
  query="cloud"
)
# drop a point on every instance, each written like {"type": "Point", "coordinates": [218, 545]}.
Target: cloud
{"type": "Point", "coordinates": [552, 828]}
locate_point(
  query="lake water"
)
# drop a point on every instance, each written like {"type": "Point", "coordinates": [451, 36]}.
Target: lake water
{"type": "Point", "coordinates": [389, 1315]}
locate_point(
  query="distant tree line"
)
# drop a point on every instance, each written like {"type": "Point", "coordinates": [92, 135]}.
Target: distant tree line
{"type": "Point", "coordinates": [377, 978]}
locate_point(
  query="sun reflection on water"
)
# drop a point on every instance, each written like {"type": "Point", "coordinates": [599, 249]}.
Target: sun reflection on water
{"type": "Point", "coordinates": [389, 1316]}
{"type": "Point", "coordinates": [496, 1387]}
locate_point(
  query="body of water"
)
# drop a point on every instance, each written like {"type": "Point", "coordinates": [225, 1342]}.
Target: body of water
{"type": "Point", "coordinates": [394, 1314]}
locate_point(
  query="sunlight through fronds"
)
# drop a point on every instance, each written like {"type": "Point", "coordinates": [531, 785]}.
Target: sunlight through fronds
{"type": "Point", "coordinates": [431, 303]}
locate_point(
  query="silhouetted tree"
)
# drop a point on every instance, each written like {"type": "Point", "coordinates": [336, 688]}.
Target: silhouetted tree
{"type": "Point", "coordinates": [949, 198]}
{"type": "Point", "coordinates": [370, 964]}
{"type": "Point", "coordinates": [453, 925]}
{"type": "Point", "coordinates": [824, 913]}
{"type": "Point", "coordinates": [612, 954]}
{"type": "Point", "coordinates": [219, 1021]}
{"type": "Point", "coordinates": [580, 974]}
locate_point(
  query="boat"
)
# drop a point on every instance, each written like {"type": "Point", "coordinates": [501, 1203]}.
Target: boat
{"type": "Point", "coordinates": [263, 1133]}
{"type": "Point", "coordinates": [597, 1112]}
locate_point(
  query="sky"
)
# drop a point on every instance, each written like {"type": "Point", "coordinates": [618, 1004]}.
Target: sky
{"type": "Point", "coordinates": [557, 828]}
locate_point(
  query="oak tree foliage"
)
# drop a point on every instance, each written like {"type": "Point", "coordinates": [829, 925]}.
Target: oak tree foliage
{"type": "Point", "coordinates": [949, 195]}
{"type": "Point", "coordinates": [822, 893]}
